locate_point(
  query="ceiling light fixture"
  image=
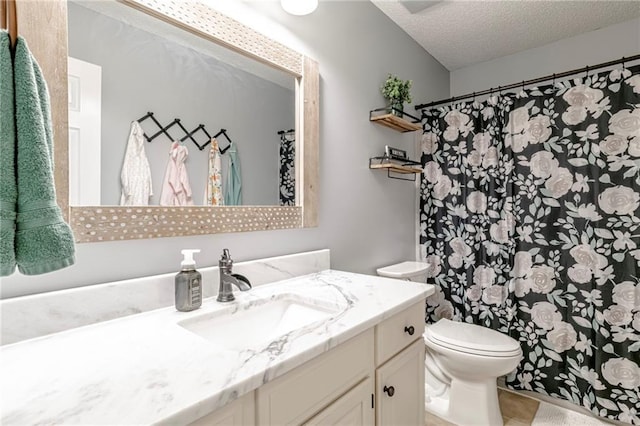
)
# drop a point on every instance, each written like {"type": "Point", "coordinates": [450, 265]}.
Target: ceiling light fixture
{"type": "Point", "coordinates": [299, 7]}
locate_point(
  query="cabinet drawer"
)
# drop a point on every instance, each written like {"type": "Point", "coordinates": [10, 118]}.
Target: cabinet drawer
{"type": "Point", "coordinates": [303, 392]}
{"type": "Point", "coordinates": [394, 334]}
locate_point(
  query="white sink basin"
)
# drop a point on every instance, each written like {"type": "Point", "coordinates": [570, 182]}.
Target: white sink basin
{"type": "Point", "coordinates": [260, 322]}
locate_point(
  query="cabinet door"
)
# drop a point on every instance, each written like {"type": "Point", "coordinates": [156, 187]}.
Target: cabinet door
{"type": "Point", "coordinates": [400, 388]}
{"type": "Point", "coordinates": [306, 390]}
{"type": "Point", "coordinates": [240, 412]}
{"type": "Point", "coordinates": [353, 409]}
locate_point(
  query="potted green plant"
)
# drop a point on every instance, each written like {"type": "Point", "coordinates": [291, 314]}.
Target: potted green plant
{"type": "Point", "coordinates": [397, 92]}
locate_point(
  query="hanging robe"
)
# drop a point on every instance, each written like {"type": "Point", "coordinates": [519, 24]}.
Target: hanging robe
{"type": "Point", "coordinates": [176, 189]}
{"type": "Point", "coordinates": [136, 173]}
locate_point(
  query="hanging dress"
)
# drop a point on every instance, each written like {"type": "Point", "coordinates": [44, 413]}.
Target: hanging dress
{"type": "Point", "coordinates": [176, 190]}
{"type": "Point", "coordinates": [213, 192]}
{"type": "Point", "coordinates": [233, 184]}
{"type": "Point", "coordinates": [136, 173]}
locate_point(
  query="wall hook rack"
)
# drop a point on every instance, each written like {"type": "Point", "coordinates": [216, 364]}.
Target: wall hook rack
{"type": "Point", "coordinates": [188, 134]}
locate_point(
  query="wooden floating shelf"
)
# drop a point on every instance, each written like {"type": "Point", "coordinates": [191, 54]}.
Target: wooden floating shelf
{"type": "Point", "coordinates": [396, 123]}
{"type": "Point", "coordinates": [398, 168]}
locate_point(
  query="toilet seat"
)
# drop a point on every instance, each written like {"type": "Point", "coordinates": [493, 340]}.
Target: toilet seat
{"type": "Point", "coordinates": [472, 339]}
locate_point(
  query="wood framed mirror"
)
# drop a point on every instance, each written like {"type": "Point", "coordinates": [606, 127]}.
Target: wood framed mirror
{"type": "Point", "coordinates": [110, 223]}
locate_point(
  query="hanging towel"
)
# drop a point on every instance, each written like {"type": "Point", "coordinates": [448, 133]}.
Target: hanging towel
{"type": "Point", "coordinates": [213, 191]}
{"type": "Point", "coordinates": [44, 242]}
{"type": "Point", "coordinates": [176, 190]}
{"type": "Point", "coordinates": [233, 184]}
{"type": "Point", "coordinates": [8, 191]}
{"type": "Point", "coordinates": [136, 173]}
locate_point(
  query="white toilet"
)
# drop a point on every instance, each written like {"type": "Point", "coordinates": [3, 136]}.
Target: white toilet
{"type": "Point", "coordinates": [463, 362]}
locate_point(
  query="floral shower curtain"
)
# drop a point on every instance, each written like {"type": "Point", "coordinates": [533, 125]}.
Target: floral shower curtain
{"type": "Point", "coordinates": [287, 174]}
{"type": "Point", "coordinates": [530, 220]}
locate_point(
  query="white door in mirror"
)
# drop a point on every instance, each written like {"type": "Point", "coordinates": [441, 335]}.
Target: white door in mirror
{"type": "Point", "coordinates": [85, 100]}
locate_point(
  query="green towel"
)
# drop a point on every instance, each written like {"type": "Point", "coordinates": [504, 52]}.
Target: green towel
{"type": "Point", "coordinates": [8, 193]}
{"type": "Point", "coordinates": [44, 242]}
{"type": "Point", "coordinates": [233, 185]}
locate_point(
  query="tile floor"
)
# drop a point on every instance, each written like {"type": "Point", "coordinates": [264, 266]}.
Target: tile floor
{"type": "Point", "coordinates": [517, 410]}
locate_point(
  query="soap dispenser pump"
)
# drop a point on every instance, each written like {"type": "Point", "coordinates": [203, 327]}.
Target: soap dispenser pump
{"type": "Point", "coordinates": [188, 283]}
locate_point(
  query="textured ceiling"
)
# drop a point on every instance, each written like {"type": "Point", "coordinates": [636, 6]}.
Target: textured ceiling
{"type": "Point", "coordinates": [462, 33]}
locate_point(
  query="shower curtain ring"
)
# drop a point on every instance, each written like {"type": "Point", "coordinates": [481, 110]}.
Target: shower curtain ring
{"type": "Point", "coordinates": [623, 67]}
{"type": "Point", "coordinates": [586, 71]}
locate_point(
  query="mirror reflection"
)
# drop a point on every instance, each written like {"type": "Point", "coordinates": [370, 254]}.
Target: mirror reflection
{"type": "Point", "coordinates": [125, 65]}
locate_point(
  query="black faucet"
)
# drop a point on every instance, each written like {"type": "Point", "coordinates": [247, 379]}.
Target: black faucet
{"type": "Point", "coordinates": [228, 279]}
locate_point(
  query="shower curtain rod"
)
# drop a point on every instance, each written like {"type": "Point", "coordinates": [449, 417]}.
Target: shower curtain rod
{"type": "Point", "coordinates": [528, 82]}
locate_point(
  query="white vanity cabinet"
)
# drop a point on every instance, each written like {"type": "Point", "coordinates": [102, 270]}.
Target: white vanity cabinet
{"type": "Point", "coordinates": [376, 378]}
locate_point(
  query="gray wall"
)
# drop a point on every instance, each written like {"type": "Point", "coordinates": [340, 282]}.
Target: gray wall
{"type": "Point", "coordinates": [366, 219]}
{"type": "Point", "coordinates": [144, 72]}
{"type": "Point", "coordinates": [594, 47]}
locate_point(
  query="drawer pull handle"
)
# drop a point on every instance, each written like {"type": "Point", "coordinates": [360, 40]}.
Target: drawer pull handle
{"type": "Point", "coordinates": [390, 390]}
{"type": "Point", "coordinates": [410, 330]}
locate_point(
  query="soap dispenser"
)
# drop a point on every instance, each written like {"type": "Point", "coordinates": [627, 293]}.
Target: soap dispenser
{"type": "Point", "coordinates": [188, 283]}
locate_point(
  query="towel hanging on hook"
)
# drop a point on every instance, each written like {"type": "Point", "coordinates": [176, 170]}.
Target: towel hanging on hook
{"type": "Point", "coordinates": [9, 20]}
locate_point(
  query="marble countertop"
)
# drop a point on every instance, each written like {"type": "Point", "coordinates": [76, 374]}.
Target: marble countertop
{"type": "Point", "coordinates": [146, 368]}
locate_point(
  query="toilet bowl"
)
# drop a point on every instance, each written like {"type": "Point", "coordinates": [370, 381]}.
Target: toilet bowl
{"type": "Point", "coordinates": [462, 363]}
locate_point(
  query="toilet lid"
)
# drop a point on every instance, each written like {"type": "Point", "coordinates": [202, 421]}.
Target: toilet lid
{"type": "Point", "coordinates": [471, 338]}
{"type": "Point", "coordinates": [403, 270]}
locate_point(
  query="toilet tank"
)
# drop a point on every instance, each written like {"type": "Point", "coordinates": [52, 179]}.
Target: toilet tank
{"type": "Point", "coordinates": [410, 271]}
